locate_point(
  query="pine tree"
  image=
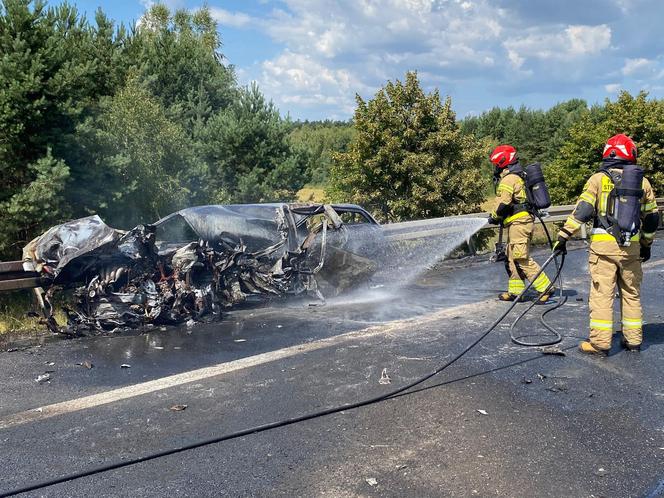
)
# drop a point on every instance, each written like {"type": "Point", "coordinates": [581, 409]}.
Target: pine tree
{"type": "Point", "coordinates": [249, 154]}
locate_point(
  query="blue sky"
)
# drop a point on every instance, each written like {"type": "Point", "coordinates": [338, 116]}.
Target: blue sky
{"type": "Point", "coordinates": [312, 56]}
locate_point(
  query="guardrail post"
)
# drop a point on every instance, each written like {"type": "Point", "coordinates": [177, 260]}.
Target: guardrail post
{"type": "Point", "coordinates": [471, 246]}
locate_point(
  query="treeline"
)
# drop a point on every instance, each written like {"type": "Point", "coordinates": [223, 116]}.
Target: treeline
{"type": "Point", "coordinates": [569, 138]}
{"type": "Point", "coordinates": [131, 123]}
{"type": "Point", "coordinates": [539, 135]}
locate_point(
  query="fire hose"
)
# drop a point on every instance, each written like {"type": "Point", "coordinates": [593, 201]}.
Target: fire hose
{"type": "Point", "coordinates": [562, 299]}
{"type": "Point", "coordinates": [309, 416]}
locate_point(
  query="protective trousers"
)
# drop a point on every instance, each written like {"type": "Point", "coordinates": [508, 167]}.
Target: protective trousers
{"type": "Point", "coordinates": [519, 265]}
{"type": "Point", "coordinates": [607, 271]}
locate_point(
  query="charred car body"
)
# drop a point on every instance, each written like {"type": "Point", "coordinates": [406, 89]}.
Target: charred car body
{"type": "Point", "coordinates": [196, 262]}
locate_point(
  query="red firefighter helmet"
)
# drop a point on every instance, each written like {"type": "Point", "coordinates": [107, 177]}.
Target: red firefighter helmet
{"type": "Point", "coordinates": [503, 155]}
{"type": "Point", "coordinates": [620, 147]}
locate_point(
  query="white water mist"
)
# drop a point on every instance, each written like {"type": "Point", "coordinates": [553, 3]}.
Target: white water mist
{"type": "Point", "coordinates": [416, 246]}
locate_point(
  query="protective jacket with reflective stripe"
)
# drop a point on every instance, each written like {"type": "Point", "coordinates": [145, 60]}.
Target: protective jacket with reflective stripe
{"type": "Point", "coordinates": [511, 198]}
{"type": "Point", "coordinates": [592, 204]}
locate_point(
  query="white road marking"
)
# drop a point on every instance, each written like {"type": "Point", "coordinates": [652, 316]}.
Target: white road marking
{"type": "Point", "coordinates": [94, 400]}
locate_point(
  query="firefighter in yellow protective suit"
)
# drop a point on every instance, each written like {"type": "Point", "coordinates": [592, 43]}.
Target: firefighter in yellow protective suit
{"type": "Point", "coordinates": [616, 253]}
{"type": "Point", "coordinates": [513, 212]}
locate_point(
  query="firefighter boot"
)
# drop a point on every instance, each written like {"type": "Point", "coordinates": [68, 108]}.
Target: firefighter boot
{"type": "Point", "coordinates": [588, 348]}
{"type": "Point", "coordinates": [506, 296]}
{"type": "Point", "coordinates": [630, 347]}
{"type": "Point", "coordinates": [544, 297]}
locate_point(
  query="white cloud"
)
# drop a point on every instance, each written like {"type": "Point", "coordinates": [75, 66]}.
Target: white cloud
{"type": "Point", "coordinates": [612, 87]}
{"type": "Point", "coordinates": [171, 4]}
{"type": "Point", "coordinates": [366, 42]}
{"type": "Point", "coordinates": [227, 18]}
{"type": "Point", "coordinates": [639, 66]}
{"type": "Point", "coordinates": [294, 78]}
{"type": "Point", "coordinates": [588, 39]}
{"type": "Point", "coordinates": [563, 44]}
{"type": "Point", "coordinates": [328, 51]}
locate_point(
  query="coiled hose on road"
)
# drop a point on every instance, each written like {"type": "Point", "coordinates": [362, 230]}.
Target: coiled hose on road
{"type": "Point", "coordinates": [562, 299]}
{"type": "Point", "coordinates": [294, 420]}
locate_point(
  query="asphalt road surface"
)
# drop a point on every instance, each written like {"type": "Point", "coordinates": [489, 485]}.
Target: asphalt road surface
{"type": "Point", "coordinates": [503, 421]}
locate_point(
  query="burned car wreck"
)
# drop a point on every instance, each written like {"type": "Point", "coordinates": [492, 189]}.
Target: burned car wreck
{"type": "Point", "coordinates": [193, 264]}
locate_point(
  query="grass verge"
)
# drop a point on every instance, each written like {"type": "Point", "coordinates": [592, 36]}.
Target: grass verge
{"type": "Point", "coordinates": [17, 311]}
{"type": "Point", "coordinates": [311, 193]}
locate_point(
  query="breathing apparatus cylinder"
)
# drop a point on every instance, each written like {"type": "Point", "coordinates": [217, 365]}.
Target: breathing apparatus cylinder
{"type": "Point", "coordinates": [537, 191]}
{"type": "Point", "coordinates": [626, 203]}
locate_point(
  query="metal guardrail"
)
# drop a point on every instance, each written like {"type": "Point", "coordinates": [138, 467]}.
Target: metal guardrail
{"type": "Point", "coordinates": [13, 277]}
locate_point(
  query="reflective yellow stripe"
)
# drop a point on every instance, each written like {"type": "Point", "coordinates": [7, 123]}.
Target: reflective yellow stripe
{"type": "Point", "coordinates": [601, 324]}
{"type": "Point", "coordinates": [649, 207]}
{"type": "Point", "coordinates": [632, 323]}
{"type": "Point", "coordinates": [600, 237]}
{"type": "Point", "coordinates": [506, 188]}
{"type": "Point", "coordinates": [515, 286]}
{"type": "Point", "coordinates": [541, 283]}
{"type": "Point", "coordinates": [572, 222]}
{"type": "Point", "coordinates": [516, 216]}
{"type": "Point", "coordinates": [588, 197]}
{"type": "Point", "coordinates": [607, 187]}
{"type": "Point", "coordinates": [648, 235]}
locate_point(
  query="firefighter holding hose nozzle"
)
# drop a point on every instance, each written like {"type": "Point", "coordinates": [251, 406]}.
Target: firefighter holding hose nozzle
{"type": "Point", "coordinates": [621, 204]}
{"type": "Point", "coordinates": [520, 193]}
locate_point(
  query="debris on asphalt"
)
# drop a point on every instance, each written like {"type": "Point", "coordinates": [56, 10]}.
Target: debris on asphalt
{"type": "Point", "coordinates": [85, 364]}
{"type": "Point", "coordinates": [526, 380]}
{"type": "Point", "coordinates": [384, 378]}
{"type": "Point", "coordinates": [553, 350]}
{"type": "Point", "coordinates": [601, 472]}
{"type": "Point", "coordinates": [178, 408]}
{"type": "Point", "coordinates": [541, 377]}
{"type": "Point", "coordinates": [371, 481]}
{"type": "Point", "coordinates": [483, 412]}
{"type": "Point", "coordinates": [43, 378]}
{"type": "Point", "coordinates": [557, 388]}
{"type": "Point", "coordinates": [125, 365]}
{"type": "Point", "coordinates": [239, 340]}
{"type": "Point", "coordinates": [49, 363]}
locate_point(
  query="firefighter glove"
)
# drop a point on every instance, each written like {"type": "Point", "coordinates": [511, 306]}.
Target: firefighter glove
{"type": "Point", "coordinates": [560, 246]}
{"type": "Point", "coordinates": [645, 253]}
{"type": "Point", "coordinates": [494, 221]}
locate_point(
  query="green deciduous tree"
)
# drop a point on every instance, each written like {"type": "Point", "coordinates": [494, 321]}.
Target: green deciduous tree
{"type": "Point", "coordinates": [635, 116]}
{"type": "Point", "coordinates": [144, 159]}
{"type": "Point", "coordinates": [409, 158]}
